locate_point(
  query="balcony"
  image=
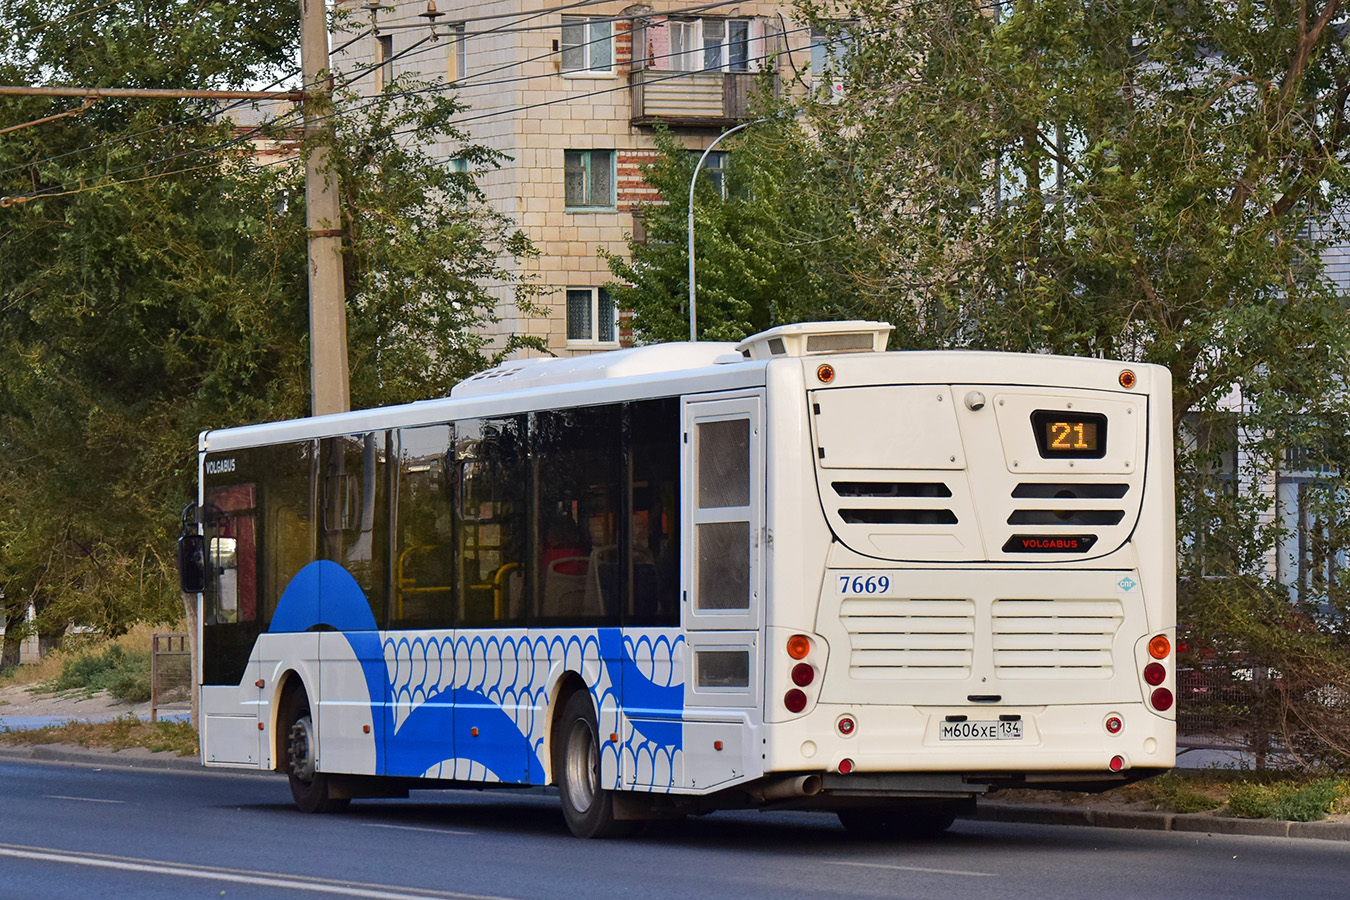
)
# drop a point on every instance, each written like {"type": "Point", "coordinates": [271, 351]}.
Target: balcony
{"type": "Point", "coordinates": [690, 99]}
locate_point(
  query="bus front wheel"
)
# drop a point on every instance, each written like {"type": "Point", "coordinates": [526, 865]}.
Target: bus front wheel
{"type": "Point", "coordinates": [311, 788]}
{"type": "Point", "coordinates": [588, 808]}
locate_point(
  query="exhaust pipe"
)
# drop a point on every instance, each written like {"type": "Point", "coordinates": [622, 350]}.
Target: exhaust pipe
{"type": "Point", "coordinates": [788, 788]}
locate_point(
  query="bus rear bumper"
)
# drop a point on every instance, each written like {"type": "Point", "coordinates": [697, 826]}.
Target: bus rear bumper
{"type": "Point", "coordinates": [1048, 746]}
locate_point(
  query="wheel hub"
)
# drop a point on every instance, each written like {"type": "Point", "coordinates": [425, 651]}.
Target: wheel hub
{"type": "Point", "coordinates": [300, 749]}
{"type": "Point", "coordinates": [583, 767]}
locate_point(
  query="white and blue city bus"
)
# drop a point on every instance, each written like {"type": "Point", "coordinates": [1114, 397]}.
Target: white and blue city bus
{"type": "Point", "coordinates": [796, 572]}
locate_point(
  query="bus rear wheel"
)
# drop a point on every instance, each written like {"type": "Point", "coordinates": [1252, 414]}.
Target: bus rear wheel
{"type": "Point", "coordinates": [312, 789]}
{"type": "Point", "coordinates": [920, 820]}
{"type": "Point", "coordinates": [588, 808]}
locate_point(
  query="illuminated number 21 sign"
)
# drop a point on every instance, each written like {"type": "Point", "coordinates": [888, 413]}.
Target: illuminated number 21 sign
{"type": "Point", "coordinates": [1063, 434]}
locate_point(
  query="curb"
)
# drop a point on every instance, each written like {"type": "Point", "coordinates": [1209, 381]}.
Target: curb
{"type": "Point", "coordinates": [134, 758]}
{"type": "Point", "coordinates": [986, 811]}
{"type": "Point", "coordinates": [1194, 823]}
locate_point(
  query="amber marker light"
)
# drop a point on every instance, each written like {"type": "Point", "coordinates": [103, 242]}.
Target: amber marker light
{"type": "Point", "coordinates": [825, 373]}
{"type": "Point", "coordinates": [1127, 379]}
{"type": "Point", "coordinates": [798, 646]}
{"type": "Point", "coordinates": [1159, 646]}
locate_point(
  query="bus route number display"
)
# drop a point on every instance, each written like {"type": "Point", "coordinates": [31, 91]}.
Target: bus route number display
{"type": "Point", "coordinates": [1065, 434]}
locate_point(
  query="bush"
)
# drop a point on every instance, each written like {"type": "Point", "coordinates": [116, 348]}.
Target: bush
{"type": "Point", "coordinates": [1173, 792]}
{"type": "Point", "coordinates": [1287, 800]}
{"type": "Point", "coordinates": [123, 674]}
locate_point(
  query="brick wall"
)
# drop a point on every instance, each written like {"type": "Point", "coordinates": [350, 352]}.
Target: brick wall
{"type": "Point", "coordinates": [630, 188]}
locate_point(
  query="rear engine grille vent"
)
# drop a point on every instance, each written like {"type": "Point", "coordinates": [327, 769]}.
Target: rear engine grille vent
{"type": "Point", "coordinates": [891, 489]}
{"type": "Point", "coordinates": [1072, 515]}
{"type": "Point", "coordinates": [898, 516]}
{"type": "Point", "coordinates": [890, 514]}
{"type": "Point", "coordinates": [910, 639]}
{"type": "Point", "coordinates": [1051, 491]}
{"type": "Point", "coordinates": [1055, 638]}
{"type": "Point", "coordinates": [1066, 517]}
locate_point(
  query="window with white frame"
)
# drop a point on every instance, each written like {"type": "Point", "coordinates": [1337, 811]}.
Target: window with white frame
{"type": "Point", "coordinates": [828, 64]}
{"type": "Point", "coordinates": [719, 45]}
{"type": "Point", "coordinates": [591, 318]}
{"type": "Point", "coordinates": [589, 179]}
{"type": "Point", "coordinates": [587, 45]}
{"type": "Point", "coordinates": [455, 67]}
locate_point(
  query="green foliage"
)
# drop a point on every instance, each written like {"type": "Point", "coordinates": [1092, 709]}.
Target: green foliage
{"type": "Point", "coordinates": [1177, 793]}
{"type": "Point", "coordinates": [155, 285]}
{"type": "Point", "coordinates": [123, 674]}
{"type": "Point", "coordinates": [1290, 801]}
{"type": "Point", "coordinates": [764, 256]}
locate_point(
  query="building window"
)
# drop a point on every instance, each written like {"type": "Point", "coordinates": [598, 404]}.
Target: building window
{"type": "Point", "coordinates": [715, 167]}
{"type": "Point", "coordinates": [718, 45]}
{"type": "Point", "coordinates": [454, 64]}
{"type": "Point", "coordinates": [587, 45]}
{"type": "Point", "coordinates": [829, 64]}
{"type": "Point", "coordinates": [590, 316]}
{"type": "Point", "coordinates": [384, 61]}
{"type": "Point", "coordinates": [589, 176]}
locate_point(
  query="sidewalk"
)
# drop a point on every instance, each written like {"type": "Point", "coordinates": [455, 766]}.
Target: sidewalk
{"type": "Point", "coordinates": [989, 810]}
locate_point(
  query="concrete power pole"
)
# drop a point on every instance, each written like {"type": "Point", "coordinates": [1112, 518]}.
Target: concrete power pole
{"type": "Point", "coordinates": [329, 381]}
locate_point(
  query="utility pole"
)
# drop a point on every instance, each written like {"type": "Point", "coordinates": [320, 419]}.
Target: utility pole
{"type": "Point", "coordinates": [328, 377]}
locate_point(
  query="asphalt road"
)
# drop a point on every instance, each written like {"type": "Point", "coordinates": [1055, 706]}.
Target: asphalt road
{"type": "Point", "coordinates": [73, 831]}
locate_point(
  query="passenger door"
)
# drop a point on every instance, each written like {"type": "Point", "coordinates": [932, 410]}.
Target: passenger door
{"type": "Point", "coordinates": [723, 584]}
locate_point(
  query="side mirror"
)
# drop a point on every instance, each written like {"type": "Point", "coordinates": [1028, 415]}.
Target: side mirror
{"type": "Point", "coordinates": [191, 554]}
{"type": "Point", "coordinates": [191, 563]}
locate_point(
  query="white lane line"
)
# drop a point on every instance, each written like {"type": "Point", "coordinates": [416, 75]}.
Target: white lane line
{"type": "Point", "coordinates": [80, 799]}
{"type": "Point", "coordinates": [235, 876]}
{"type": "Point", "coordinates": [415, 828]}
{"type": "Point", "coordinates": [836, 862]}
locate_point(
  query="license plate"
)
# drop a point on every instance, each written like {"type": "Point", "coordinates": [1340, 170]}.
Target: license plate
{"type": "Point", "coordinates": [981, 731]}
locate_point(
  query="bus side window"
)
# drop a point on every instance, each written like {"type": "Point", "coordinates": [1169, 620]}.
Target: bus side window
{"type": "Point", "coordinates": [579, 467]}
{"type": "Point", "coordinates": [490, 520]}
{"type": "Point", "coordinates": [354, 510]}
{"type": "Point", "coordinates": [653, 440]}
{"type": "Point", "coordinates": [424, 571]}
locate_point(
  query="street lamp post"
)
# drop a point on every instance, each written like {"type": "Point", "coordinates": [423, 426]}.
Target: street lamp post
{"type": "Point", "coordinates": [693, 316]}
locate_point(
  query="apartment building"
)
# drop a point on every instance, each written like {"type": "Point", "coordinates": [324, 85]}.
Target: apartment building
{"type": "Point", "coordinates": [571, 93]}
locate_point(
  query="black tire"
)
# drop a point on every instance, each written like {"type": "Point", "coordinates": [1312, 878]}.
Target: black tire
{"type": "Point", "coordinates": [312, 790]}
{"type": "Point", "coordinates": [909, 822]}
{"type": "Point", "coordinates": [588, 809]}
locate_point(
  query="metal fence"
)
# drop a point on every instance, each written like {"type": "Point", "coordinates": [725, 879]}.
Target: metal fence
{"type": "Point", "coordinates": [170, 674]}
{"type": "Point", "coordinates": [1226, 706]}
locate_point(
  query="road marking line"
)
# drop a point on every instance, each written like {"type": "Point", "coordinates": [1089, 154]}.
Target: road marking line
{"type": "Point", "coordinates": [835, 862]}
{"type": "Point", "coordinates": [235, 876]}
{"type": "Point", "coordinates": [415, 828]}
{"type": "Point", "coordinates": [80, 799]}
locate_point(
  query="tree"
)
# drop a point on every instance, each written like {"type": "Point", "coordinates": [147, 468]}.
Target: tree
{"type": "Point", "coordinates": [1150, 182]}
{"type": "Point", "coordinates": [1134, 180]}
{"type": "Point", "coordinates": [763, 251]}
{"type": "Point", "coordinates": [154, 284]}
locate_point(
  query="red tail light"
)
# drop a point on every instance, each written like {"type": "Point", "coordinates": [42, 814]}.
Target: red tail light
{"type": "Point", "coordinates": [795, 700]}
{"type": "Point", "coordinates": [1162, 699]}
{"type": "Point", "coordinates": [1155, 674]}
{"type": "Point", "coordinates": [803, 674]}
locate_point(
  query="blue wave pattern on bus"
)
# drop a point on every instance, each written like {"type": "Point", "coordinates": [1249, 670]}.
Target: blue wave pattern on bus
{"type": "Point", "coordinates": [427, 678]}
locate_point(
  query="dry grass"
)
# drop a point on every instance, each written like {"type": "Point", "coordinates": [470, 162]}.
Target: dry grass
{"type": "Point", "coordinates": [50, 668]}
{"type": "Point", "coordinates": [121, 734]}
